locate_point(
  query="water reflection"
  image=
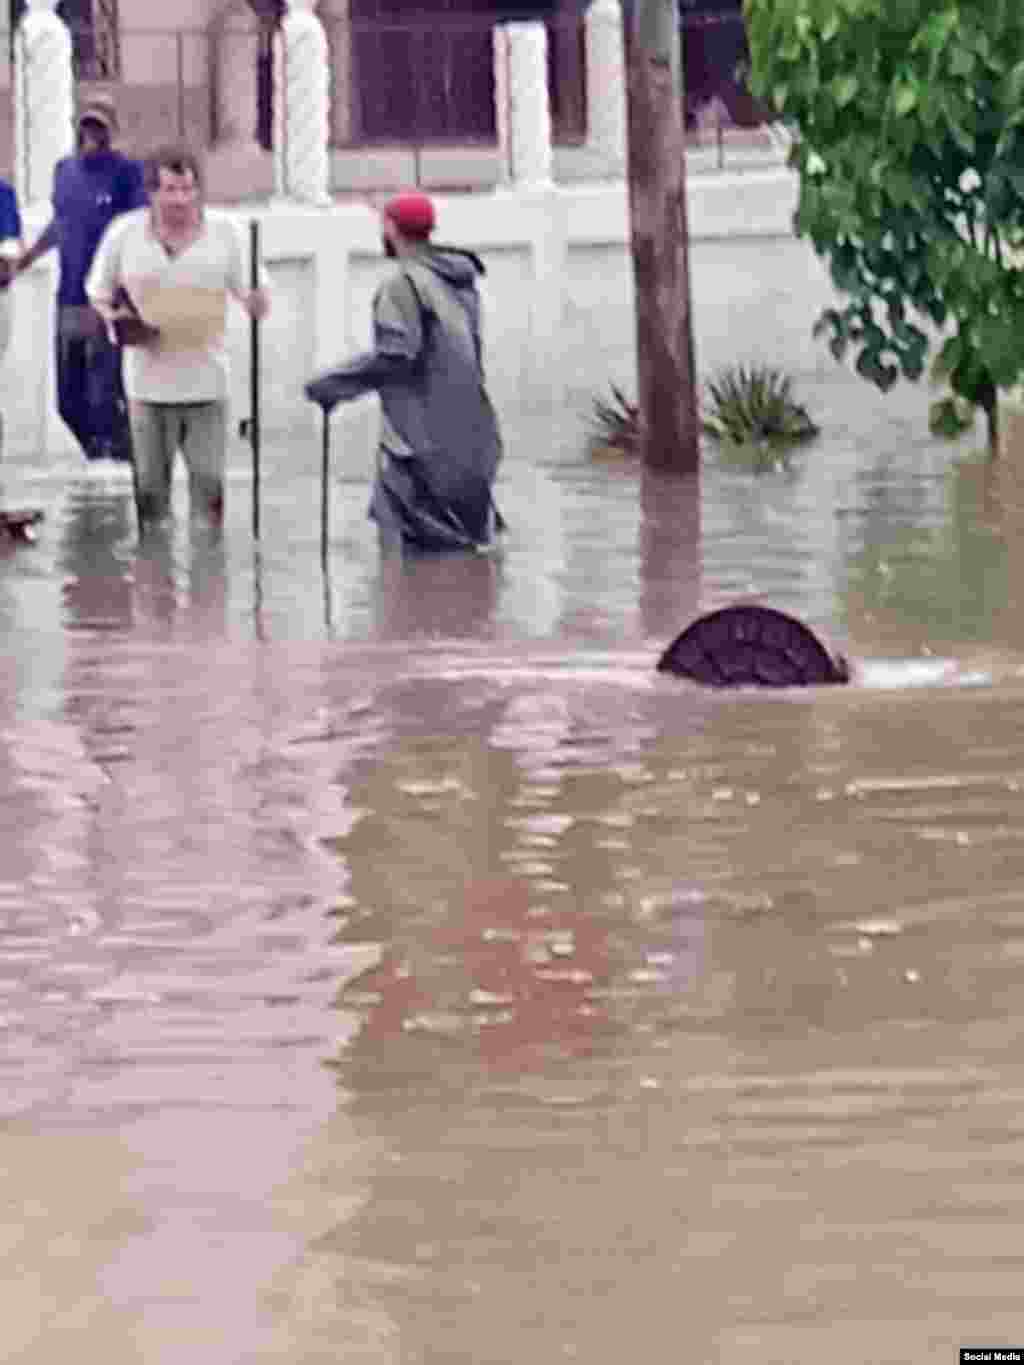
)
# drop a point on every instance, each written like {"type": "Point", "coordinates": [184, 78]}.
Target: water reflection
{"type": "Point", "coordinates": [96, 560]}
{"type": "Point", "coordinates": [938, 585]}
{"type": "Point", "coordinates": [113, 580]}
{"type": "Point", "coordinates": [670, 554]}
{"type": "Point", "coordinates": [417, 597]}
{"type": "Point", "coordinates": [510, 928]}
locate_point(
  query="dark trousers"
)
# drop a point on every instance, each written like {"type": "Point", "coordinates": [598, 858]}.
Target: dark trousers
{"type": "Point", "coordinates": [90, 389]}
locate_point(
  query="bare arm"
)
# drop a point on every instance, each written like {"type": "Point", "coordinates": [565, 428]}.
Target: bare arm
{"type": "Point", "coordinates": [44, 243]}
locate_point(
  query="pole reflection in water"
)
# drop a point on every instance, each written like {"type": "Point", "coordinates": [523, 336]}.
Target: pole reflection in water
{"type": "Point", "coordinates": [670, 553]}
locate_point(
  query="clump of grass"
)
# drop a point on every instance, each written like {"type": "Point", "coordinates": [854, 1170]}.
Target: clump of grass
{"type": "Point", "coordinates": [754, 405]}
{"type": "Point", "coordinates": [615, 425]}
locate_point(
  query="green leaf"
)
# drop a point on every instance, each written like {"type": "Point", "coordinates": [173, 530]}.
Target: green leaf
{"type": "Point", "coordinates": [936, 33]}
{"type": "Point", "coordinates": [962, 61]}
{"type": "Point", "coordinates": [844, 89]}
{"type": "Point", "coordinates": [1014, 87]}
{"type": "Point", "coordinates": [904, 99]}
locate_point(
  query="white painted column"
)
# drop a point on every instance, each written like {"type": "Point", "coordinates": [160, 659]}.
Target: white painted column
{"type": "Point", "coordinates": [502, 100]}
{"type": "Point", "coordinates": [302, 107]}
{"type": "Point", "coordinates": [43, 100]}
{"type": "Point", "coordinates": [606, 89]}
{"type": "Point", "coordinates": [524, 106]}
{"type": "Point", "coordinates": [237, 48]}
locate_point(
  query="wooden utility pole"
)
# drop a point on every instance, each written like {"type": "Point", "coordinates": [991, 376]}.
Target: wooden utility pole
{"type": "Point", "coordinates": [666, 374]}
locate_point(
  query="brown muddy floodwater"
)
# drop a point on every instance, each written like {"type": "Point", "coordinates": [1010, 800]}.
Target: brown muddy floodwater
{"type": "Point", "coordinates": [397, 969]}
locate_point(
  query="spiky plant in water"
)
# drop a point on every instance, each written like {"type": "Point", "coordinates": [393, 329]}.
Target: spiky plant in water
{"type": "Point", "coordinates": [754, 405]}
{"type": "Point", "coordinates": [751, 407]}
{"type": "Point", "coordinates": [615, 425]}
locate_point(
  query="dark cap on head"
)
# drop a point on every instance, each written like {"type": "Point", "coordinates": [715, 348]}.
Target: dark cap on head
{"type": "Point", "coordinates": [98, 109]}
{"type": "Point", "coordinates": [412, 214]}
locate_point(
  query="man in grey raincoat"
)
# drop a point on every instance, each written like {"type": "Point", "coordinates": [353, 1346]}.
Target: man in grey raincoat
{"type": "Point", "coordinates": [440, 444]}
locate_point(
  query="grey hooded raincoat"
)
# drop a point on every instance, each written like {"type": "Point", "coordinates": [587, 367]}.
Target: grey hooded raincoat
{"type": "Point", "coordinates": [440, 443]}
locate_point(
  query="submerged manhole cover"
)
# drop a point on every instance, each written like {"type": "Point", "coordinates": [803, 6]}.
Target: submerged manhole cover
{"type": "Point", "coordinates": [752, 646]}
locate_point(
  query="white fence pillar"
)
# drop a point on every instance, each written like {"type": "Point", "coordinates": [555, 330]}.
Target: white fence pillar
{"type": "Point", "coordinates": [523, 104]}
{"type": "Point", "coordinates": [43, 100]}
{"type": "Point", "coordinates": [302, 107]}
{"type": "Point", "coordinates": [606, 89]}
{"type": "Point", "coordinates": [502, 99]}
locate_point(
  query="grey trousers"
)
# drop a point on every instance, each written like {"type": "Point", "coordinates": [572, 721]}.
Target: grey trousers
{"type": "Point", "coordinates": [200, 431]}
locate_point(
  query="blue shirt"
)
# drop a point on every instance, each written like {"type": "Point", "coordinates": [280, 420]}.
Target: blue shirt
{"type": "Point", "coordinates": [88, 193]}
{"type": "Point", "coordinates": [10, 218]}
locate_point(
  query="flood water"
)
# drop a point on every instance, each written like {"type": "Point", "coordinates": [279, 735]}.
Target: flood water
{"type": "Point", "coordinates": [395, 968]}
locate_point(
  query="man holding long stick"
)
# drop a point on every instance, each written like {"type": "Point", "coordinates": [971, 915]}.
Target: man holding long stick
{"type": "Point", "coordinates": [161, 279]}
{"type": "Point", "coordinates": [440, 443]}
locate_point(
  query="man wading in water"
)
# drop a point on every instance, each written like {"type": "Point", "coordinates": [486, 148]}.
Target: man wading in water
{"type": "Point", "coordinates": [90, 190]}
{"type": "Point", "coordinates": [440, 445]}
{"type": "Point", "coordinates": [161, 279]}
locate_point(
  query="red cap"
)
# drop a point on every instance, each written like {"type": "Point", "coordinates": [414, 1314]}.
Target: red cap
{"type": "Point", "coordinates": [412, 214]}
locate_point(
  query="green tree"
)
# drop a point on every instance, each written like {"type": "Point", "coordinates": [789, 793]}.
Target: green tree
{"type": "Point", "coordinates": [910, 154]}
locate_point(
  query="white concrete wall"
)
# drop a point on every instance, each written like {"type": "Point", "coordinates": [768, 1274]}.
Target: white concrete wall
{"type": "Point", "coordinates": [558, 296]}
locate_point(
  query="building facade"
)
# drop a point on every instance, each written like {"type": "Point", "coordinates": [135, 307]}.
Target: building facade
{"type": "Point", "coordinates": [414, 90]}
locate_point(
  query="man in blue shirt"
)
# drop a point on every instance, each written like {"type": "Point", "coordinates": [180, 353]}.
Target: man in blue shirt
{"type": "Point", "coordinates": [90, 189]}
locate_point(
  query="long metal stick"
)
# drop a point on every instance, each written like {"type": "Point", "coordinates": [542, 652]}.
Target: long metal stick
{"type": "Point", "coordinates": [324, 476]}
{"type": "Point", "coordinates": [254, 378]}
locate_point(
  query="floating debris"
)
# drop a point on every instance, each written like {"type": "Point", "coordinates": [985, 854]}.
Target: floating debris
{"type": "Point", "coordinates": [446, 1025]}
{"type": "Point", "coordinates": [878, 928]}
{"type": "Point", "coordinates": [83, 922]}
{"type": "Point", "coordinates": [501, 935]}
{"type": "Point", "coordinates": [479, 997]}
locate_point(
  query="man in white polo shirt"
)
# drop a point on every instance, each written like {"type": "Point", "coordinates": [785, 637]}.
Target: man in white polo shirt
{"type": "Point", "coordinates": [161, 279]}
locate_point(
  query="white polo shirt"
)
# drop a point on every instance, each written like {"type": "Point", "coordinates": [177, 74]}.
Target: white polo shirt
{"type": "Point", "coordinates": [184, 295]}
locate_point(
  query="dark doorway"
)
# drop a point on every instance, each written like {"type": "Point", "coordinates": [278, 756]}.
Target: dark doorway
{"type": "Point", "coordinates": [270, 13]}
{"type": "Point", "coordinates": [715, 54]}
